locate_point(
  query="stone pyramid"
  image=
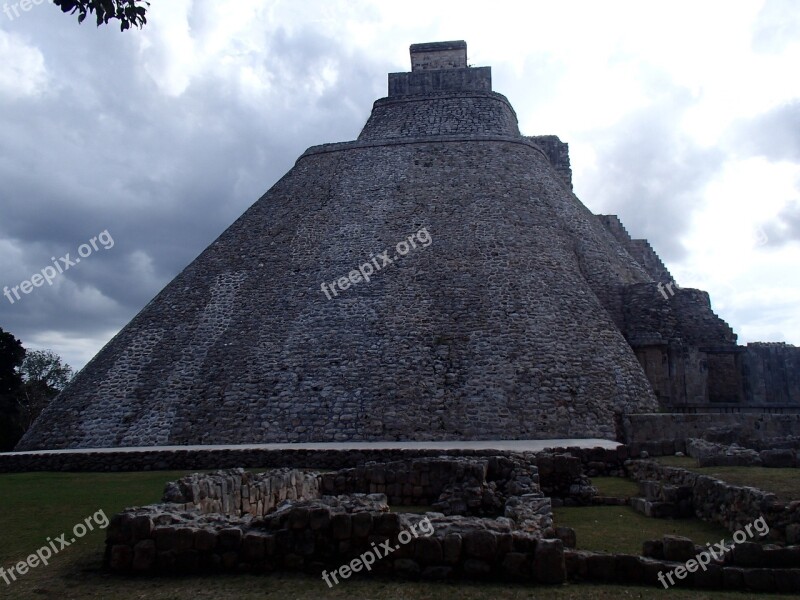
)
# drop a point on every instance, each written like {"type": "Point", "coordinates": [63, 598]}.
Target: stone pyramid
{"type": "Point", "coordinates": [500, 314]}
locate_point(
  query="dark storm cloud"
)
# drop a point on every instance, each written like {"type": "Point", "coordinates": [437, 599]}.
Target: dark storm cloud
{"type": "Point", "coordinates": [104, 148]}
{"type": "Point", "coordinates": [650, 173]}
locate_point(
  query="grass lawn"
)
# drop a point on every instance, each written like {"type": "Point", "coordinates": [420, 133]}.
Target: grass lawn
{"type": "Point", "coordinates": [621, 529]}
{"type": "Point", "coordinates": [615, 487]}
{"type": "Point", "coordinates": [34, 506]}
{"type": "Point", "coordinates": [785, 483]}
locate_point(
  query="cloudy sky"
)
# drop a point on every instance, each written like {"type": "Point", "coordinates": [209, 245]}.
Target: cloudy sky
{"type": "Point", "coordinates": [682, 117]}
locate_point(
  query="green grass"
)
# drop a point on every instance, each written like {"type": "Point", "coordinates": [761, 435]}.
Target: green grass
{"type": "Point", "coordinates": [683, 462]}
{"type": "Point", "coordinates": [34, 506]}
{"type": "Point", "coordinates": [620, 529]}
{"type": "Point", "coordinates": [615, 487]}
{"type": "Point", "coordinates": [785, 483]}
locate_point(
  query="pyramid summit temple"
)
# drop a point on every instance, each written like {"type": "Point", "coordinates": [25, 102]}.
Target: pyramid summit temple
{"type": "Point", "coordinates": [434, 279]}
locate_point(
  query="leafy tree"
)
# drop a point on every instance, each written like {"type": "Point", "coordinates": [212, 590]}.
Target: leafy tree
{"type": "Point", "coordinates": [127, 12]}
{"type": "Point", "coordinates": [44, 376]}
{"type": "Point", "coordinates": [11, 356]}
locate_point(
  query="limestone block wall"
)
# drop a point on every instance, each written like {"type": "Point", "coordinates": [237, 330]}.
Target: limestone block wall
{"type": "Point", "coordinates": [438, 55]}
{"type": "Point", "coordinates": [688, 353]}
{"type": "Point", "coordinates": [475, 79]}
{"type": "Point", "coordinates": [683, 317]}
{"type": "Point", "coordinates": [639, 249]}
{"type": "Point", "coordinates": [595, 461]}
{"type": "Point", "coordinates": [239, 521]}
{"type": "Point", "coordinates": [476, 113]}
{"type": "Point", "coordinates": [677, 427]}
{"type": "Point", "coordinates": [494, 351]}
{"type": "Point", "coordinates": [313, 536]}
{"type": "Point", "coordinates": [751, 568]}
{"type": "Point", "coordinates": [558, 154]}
{"type": "Point", "coordinates": [771, 374]}
{"type": "Point", "coordinates": [451, 485]}
{"type": "Point", "coordinates": [237, 492]}
{"type": "Point", "coordinates": [731, 506]}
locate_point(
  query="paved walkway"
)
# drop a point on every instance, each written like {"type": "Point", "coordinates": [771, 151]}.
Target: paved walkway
{"type": "Point", "coordinates": [515, 445]}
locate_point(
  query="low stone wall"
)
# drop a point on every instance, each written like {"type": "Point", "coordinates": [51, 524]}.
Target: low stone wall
{"type": "Point", "coordinates": [324, 535]}
{"type": "Point", "coordinates": [596, 461]}
{"type": "Point", "coordinates": [452, 485]}
{"type": "Point", "coordinates": [235, 520]}
{"type": "Point", "coordinates": [237, 492]}
{"type": "Point", "coordinates": [678, 427]}
{"type": "Point", "coordinates": [731, 506]}
{"type": "Point", "coordinates": [711, 454]}
{"type": "Point", "coordinates": [663, 501]}
{"type": "Point", "coordinates": [782, 576]}
{"type": "Point", "coordinates": [563, 472]}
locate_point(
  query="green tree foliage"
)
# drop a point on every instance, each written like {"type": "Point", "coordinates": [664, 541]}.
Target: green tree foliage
{"type": "Point", "coordinates": [29, 380]}
{"type": "Point", "coordinates": [44, 376]}
{"type": "Point", "coordinates": [11, 356]}
{"type": "Point", "coordinates": [127, 12]}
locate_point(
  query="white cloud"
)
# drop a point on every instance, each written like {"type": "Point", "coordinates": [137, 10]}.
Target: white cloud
{"type": "Point", "coordinates": [22, 68]}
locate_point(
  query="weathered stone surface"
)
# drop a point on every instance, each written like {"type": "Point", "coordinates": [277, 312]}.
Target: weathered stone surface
{"type": "Point", "coordinates": [361, 524]}
{"type": "Point", "coordinates": [205, 540]}
{"type": "Point", "coordinates": [480, 544]}
{"type": "Point", "coordinates": [602, 567]}
{"type": "Point", "coordinates": [341, 526]}
{"type": "Point", "coordinates": [677, 548]}
{"type": "Point", "coordinates": [477, 568]}
{"type": "Point", "coordinates": [567, 536]}
{"type": "Point", "coordinates": [253, 547]}
{"type": "Point", "coordinates": [144, 556]}
{"type": "Point", "coordinates": [517, 565]}
{"type": "Point", "coordinates": [437, 573]}
{"type": "Point", "coordinates": [653, 549]}
{"type": "Point", "coordinates": [759, 580]}
{"type": "Point", "coordinates": [549, 566]}
{"type": "Point", "coordinates": [407, 567]}
{"type": "Point", "coordinates": [554, 282]}
{"type": "Point", "coordinates": [428, 551]}
{"type": "Point", "coordinates": [229, 539]}
{"type": "Point", "coordinates": [778, 458]}
{"type": "Point", "coordinates": [121, 558]}
{"type": "Point", "coordinates": [165, 538]}
{"type": "Point", "coordinates": [748, 554]}
{"type": "Point", "coordinates": [451, 548]}
{"type": "Point", "coordinates": [793, 533]}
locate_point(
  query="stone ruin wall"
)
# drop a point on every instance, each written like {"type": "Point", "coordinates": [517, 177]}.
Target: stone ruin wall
{"type": "Point", "coordinates": [771, 373]}
{"type": "Point", "coordinates": [557, 153]}
{"type": "Point", "coordinates": [716, 501]}
{"type": "Point", "coordinates": [438, 55]}
{"type": "Point", "coordinates": [229, 521]}
{"type": "Point", "coordinates": [689, 354]}
{"type": "Point", "coordinates": [312, 535]}
{"type": "Point", "coordinates": [473, 114]}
